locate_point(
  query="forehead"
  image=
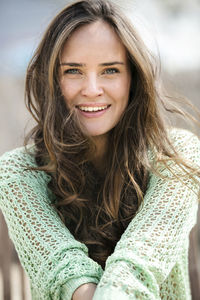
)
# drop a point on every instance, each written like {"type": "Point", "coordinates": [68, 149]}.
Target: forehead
{"type": "Point", "coordinates": [95, 40]}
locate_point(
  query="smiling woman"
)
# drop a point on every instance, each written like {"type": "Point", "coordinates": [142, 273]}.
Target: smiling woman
{"type": "Point", "coordinates": [101, 205]}
{"type": "Point", "coordinates": [95, 80]}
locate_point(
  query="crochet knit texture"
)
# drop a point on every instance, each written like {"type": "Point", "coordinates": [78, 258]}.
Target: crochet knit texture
{"type": "Point", "coordinates": [150, 260]}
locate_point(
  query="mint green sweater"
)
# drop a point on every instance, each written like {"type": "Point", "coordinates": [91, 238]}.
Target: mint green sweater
{"type": "Point", "coordinates": [150, 260]}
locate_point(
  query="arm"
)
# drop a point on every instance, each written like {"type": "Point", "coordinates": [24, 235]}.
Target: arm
{"type": "Point", "coordinates": [156, 238]}
{"type": "Point", "coordinates": [84, 292]}
{"type": "Point", "coordinates": [56, 263]}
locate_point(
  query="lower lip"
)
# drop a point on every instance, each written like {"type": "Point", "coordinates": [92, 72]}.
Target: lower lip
{"type": "Point", "coordinates": [93, 114]}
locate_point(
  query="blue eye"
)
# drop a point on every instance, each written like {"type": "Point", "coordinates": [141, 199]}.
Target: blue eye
{"type": "Point", "coordinates": [111, 71]}
{"type": "Point", "coordinates": [72, 71]}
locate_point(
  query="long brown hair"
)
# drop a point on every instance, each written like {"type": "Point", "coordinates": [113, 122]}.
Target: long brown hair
{"type": "Point", "coordinates": [96, 208]}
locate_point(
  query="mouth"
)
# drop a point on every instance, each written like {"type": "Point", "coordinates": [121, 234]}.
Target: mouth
{"type": "Point", "coordinates": [92, 111]}
{"type": "Point", "coordinates": [92, 108]}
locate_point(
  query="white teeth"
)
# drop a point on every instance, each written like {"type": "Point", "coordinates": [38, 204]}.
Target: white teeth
{"type": "Point", "coordinates": [87, 108]}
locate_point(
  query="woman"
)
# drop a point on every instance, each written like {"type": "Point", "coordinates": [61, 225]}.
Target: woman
{"type": "Point", "coordinates": [101, 206]}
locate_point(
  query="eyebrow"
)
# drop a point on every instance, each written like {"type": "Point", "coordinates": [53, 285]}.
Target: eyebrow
{"type": "Point", "coordinates": [72, 64]}
{"type": "Point", "coordinates": [112, 63]}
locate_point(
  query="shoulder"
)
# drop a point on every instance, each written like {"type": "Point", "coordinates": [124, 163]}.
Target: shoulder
{"type": "Point", "coordinates": [180, 136]}
{"type": "Point", "coordinates": [19, 154]}
{"type": "Point", "coordinates": [187, 151]}
{"type": "Point", "coordinates": [17, 163]}
{"type": "Point", "coordinates": [18, 159]}
{"type": "Point", "coordinates": [186, 143]}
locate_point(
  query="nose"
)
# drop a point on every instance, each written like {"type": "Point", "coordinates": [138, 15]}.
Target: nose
{"type": "Point", "coordinates": [91, 87]}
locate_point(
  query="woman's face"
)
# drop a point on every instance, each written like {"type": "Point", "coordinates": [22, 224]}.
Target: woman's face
{"type": "Point", "coordinates": [95, 77]}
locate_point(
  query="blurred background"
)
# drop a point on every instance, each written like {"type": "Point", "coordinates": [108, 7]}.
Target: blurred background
{"type": "Point", "coordinates": [170, 28]}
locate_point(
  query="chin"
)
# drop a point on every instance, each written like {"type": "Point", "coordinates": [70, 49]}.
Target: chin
{"type": "Point", "coordinates": [95, 132]}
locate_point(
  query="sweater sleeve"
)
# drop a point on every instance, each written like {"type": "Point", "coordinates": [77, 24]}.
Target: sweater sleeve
{"type": "Point", "coordinates": [56, 263]}
{"type": "Point", "coordinates": [154, 240]}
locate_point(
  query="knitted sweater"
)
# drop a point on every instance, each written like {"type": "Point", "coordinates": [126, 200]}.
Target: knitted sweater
{"type": "Point", "coordinates": [150, 260]}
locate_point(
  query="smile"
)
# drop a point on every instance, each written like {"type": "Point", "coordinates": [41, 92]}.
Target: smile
{"type": "Point", "coordinates": [92, 108]}
{"type": "Point", "coordinates": [93, 111]}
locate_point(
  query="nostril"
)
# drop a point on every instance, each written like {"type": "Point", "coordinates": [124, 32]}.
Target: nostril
{"type": "Point", "coordinates": [92, 93]}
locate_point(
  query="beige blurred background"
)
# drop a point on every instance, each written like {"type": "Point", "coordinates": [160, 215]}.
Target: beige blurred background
{"type": "Point", "coordinates": [170, 28]}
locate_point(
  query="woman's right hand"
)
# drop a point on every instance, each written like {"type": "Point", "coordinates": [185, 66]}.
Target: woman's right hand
{"type": "Point", "coordinates": [84, 292]}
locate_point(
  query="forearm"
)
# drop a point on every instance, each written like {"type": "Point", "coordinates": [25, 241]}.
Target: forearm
{"type": "Point", "coordinates": [84, 292]}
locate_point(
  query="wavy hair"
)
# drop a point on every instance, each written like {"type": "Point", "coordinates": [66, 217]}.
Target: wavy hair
{"type": "Point", "coordinates": [96, 208]}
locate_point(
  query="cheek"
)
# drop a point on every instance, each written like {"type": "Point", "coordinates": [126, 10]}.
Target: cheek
{"type": "Point", "coordinates": [120, 92]}
{"type": "Point", "coordinates": [69, 92]}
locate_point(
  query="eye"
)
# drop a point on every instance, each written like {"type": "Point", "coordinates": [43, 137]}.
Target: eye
{"type": "Point", "coordinates": [72, 71]}
{"type": "Point", "coordinates": [111, 71]}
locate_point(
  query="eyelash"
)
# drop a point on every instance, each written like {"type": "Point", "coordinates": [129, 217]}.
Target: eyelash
{"type": "Point", "coordinates": [109, 71]}
{"type": "Point", "coordinates": [71, 71]}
